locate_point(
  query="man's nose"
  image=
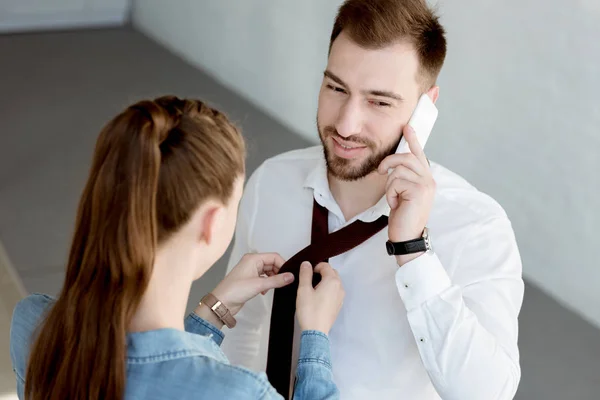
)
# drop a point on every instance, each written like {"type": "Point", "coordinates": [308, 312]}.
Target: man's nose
{"type": "Point", "coordinates": [349, 121]}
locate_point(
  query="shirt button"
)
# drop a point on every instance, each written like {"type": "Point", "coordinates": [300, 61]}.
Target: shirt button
{"type": "Point", "coordinates": [422, 340]}
{"type": "Point", "coordinates": [406, 285]}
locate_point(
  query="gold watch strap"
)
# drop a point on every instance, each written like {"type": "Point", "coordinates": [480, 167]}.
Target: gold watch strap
{"type": "Point", "coordinates": [220, 310]}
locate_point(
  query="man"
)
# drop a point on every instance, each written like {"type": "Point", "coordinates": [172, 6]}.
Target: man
{"type": "Point", "coordinates": [425, 325]}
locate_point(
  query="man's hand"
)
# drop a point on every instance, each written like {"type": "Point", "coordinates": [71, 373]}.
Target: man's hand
{"type": "Point", "coordinates": [410, 190]}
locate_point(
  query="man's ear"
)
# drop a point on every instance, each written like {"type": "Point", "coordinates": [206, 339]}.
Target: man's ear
{"type": "Point", "coordinates": [210, 224]}
{"type": "Point", "coordinates": [434, 93]}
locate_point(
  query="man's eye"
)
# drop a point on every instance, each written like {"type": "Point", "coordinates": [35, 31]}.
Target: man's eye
{"type": "Point", "coordinates": [336, 89]}
{"type": "Point", "coordinates": [380, 103]}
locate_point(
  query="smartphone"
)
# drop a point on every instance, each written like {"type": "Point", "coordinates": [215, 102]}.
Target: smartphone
{"type": "Point", "coordinates": [422, 120]}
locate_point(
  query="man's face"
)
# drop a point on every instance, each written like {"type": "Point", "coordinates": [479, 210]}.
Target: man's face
{"type": "Point", "coordinates": [366, 98]}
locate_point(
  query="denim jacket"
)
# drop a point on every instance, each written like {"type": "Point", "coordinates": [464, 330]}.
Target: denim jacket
{"type": "Point", "coordinates": [173, 364]}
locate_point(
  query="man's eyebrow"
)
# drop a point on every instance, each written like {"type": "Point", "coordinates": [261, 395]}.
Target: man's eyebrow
{"type": "Point", "coordinates": [378, 93]}
{"type": "Point", "coordinates": [334, 78]}
{"type": "Point", "coordinates": [384, 93]}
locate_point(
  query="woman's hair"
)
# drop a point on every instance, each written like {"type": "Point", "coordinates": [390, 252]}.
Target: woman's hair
{"type": "Point", "coordinates": [153, 166]}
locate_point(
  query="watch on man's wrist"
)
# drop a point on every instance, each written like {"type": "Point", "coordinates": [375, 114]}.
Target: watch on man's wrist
{"type": "Point", "coordinates": [411, 246]}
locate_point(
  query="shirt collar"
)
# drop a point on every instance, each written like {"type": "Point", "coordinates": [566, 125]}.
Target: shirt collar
{"type": "Point", "coordinates": [318, 181]}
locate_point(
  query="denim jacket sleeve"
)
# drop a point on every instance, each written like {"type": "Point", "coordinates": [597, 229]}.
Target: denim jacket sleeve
{"type": "Point", "coordinates": [194, 324]}
{"type": "Point", "coordinates": [314, 377]}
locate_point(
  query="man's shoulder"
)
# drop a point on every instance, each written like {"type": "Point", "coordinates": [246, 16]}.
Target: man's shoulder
{"type": "Point", "coordinates": [291, 167]}
{"type": "Point", "coordinates": [459, 195]}
{"type": "Point", "coordinates": [295, 158]}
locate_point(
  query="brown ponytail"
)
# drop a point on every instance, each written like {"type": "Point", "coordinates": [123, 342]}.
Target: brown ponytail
{"type": "Point", "coordinates": [154, 164]}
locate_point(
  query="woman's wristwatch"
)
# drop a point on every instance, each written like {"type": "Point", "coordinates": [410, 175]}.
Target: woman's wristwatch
{"type": "Point", "coordinates": [220, 310]}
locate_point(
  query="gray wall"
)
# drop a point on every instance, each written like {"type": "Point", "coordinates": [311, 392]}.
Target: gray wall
{"type": "Point", "coordinates": [518, 116]}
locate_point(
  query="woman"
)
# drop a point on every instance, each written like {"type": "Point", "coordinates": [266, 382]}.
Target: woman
{"type": "Point", "coordinates": [158, 210]}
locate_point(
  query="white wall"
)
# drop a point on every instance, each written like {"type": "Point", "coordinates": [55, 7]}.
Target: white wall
{"type": "Point", "coordinates": [518, 113]}
{"type": "Point", "coordinates": [271, 51]}
{"type": "Point", "coordinates": [520, 119]}
{"type": "Point", "coordinates": [28, 15]}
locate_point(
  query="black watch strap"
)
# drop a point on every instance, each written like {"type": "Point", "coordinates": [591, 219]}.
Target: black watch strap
{"type": "Point", "coordinates": [402, 248]}
{"type": "Point", "coordinates": [410, 246]}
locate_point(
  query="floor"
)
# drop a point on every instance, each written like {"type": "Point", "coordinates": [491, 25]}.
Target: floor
{"type": "Point", "coordinates": [57, 91]}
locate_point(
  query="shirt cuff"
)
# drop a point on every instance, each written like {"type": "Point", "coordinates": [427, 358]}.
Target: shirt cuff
{"type": "Point", "coordinates": [194, 324]}
{"type": "Point", "coordinates": [314, 347]}
{"type": "Point", "coordinates": [421, 279]}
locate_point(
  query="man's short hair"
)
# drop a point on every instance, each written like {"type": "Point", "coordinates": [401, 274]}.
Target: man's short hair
{"type": "Point", "coordinates": [373, 24]}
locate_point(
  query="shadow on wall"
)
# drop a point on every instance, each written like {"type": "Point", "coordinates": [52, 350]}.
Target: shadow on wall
{"type": "Point", "coordinates": [11, 291]}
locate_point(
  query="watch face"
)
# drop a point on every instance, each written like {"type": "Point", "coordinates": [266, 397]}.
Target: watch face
{"type": "Point", "coordinates": [390, 248]}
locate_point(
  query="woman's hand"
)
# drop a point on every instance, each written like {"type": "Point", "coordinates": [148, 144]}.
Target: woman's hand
{"type": "Point", "coordinates": [318, 308]}
{"type": "Point", "coordinates": [254, 274]}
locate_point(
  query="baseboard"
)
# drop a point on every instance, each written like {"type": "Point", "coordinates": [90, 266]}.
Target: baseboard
{"type": "Point", "coordinates": [86, 18]}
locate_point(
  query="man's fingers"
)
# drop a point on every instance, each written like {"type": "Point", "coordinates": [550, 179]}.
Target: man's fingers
{"type": "Point", "coordinates": [403, 173]}
{"type": "Point", "coordinates": [306, 274]}
{"type": "Point", "coordinates": [395, 190]}
{"type": "Point", "coordinates": [413, 143]}
{"type": "Point", "coordinates": [407, 160]}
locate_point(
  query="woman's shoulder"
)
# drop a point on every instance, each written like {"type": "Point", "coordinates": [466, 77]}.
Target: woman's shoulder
{"type": "Point", "coordinates": [29, 311]}
{"type": "Point", "coordinates": [244, 378]}
{"type": "Point", "coordinates": [25, 320]}
{"type": "Point", "coordinates": [200, 376]}
{"type": "Point", "coordinates": [34, 303]}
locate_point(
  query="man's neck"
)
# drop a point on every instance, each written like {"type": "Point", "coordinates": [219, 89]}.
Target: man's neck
{"type": "Point", "coordinates": [354, 197]}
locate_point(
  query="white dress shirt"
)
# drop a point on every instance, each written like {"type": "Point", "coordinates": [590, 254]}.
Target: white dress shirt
{"type": "Point", "coordinates": [442, 326]}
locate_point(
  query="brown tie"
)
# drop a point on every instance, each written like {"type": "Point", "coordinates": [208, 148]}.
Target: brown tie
{"type": "Point", "coordinates": [323, 246]}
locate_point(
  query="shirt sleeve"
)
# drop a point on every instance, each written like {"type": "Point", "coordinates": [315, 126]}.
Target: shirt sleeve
{"type": "Point", "coordinates": [466, 327]}
{"type": "Point", "coordinates": [243, 343]}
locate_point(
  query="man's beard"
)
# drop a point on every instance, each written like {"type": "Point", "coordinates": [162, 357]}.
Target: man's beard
{"type": "Point", "coordinates": [342, 168]}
